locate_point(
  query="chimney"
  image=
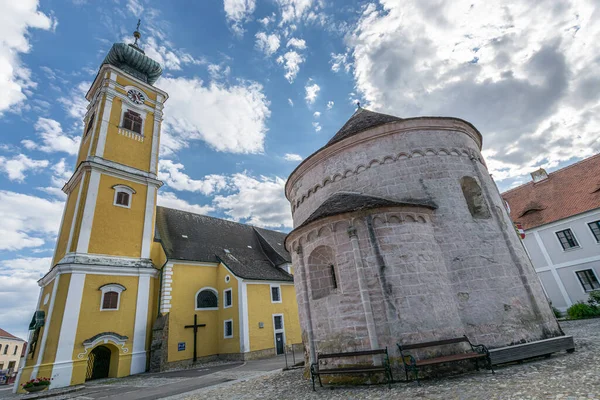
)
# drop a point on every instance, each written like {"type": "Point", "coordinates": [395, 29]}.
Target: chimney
{"type": "Point", "coordinates": [539, 175]}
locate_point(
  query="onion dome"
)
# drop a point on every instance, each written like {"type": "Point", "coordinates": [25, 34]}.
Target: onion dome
{"type": "Point", "coordinates": [132, 59]}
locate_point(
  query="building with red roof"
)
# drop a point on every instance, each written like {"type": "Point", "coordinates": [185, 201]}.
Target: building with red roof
{"type": "Point", "coordinates": [560, 214]}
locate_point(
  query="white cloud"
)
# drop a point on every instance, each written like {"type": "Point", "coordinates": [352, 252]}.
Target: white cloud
{"type": "Point", "coordinates": [312, 91]}
{"type": "Point", "coordinates": [257, 201]}
{"type": "Point", "coordinates": [300, 44]}
{"type": "Point", "coordinates": [238, 12]}
{"type": "Point", "coordinates": [268, 44]}
{"type": "Point", "coordinates": [167, 56]}
{"type": "Point", "coordinates": [170, 200]}
{"type": "Point", "coordinates": [316, 114]}
{"type": "Point", "coordinates": [27, 221]}
{"type": "Point", "coordinates": [294, 10]}
{"type": "Point", "coordinates": [19, 291]}
{"type": "Point", "coordinates": [16, 19]}
{"type": "Point", "coordinates": [61, 173]}
{"type": "Point", "coordinates": [317, 126]}
{"type": "Point", "coordinates": [135, 7]}
{"type": "Point", "coordinates": [340, 60]}
{"type": "Point", "coordinates": [172, 174]}
{"type": "Point", "coordinates": [217, 72]}
{"type": "Point", "coordinates": [527, 76]}
{"type": "Point", "coordinates": [330, 104]}
{"type": "Point", "coordinates": [292, 157]}
{"type": "Point", "coordinates": [229, 118]}
{"type": "Point", "coordinates": [267, 20]}
{"type": "Point", "coordinates": [290, 102]}
{"type": "Point", "coordinates": [53, 138]}
{"type": "Point", "coordinates": [16, 167]}
{"type": "Point", "coordinates": [291, 63]}
{"type": "Point", "coordinates": [76, 104]}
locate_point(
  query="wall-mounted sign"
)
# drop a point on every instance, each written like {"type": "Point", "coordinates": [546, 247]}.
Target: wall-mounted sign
{"type": "Point", "coordinates": [181, 346]}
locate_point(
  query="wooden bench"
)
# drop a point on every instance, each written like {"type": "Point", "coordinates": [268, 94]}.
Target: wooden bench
{"type": "Point", "coordinates": [476, 353]}
{"type": "Point", "coordinates": [316, 371]}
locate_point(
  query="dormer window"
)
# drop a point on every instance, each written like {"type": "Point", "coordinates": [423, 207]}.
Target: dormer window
{"type": "Point", "coordinates": [132, 121]}
{"type": "Point", "coordinates": [123, 195]}
{"type": "Point", "coordinates": [111, 296]}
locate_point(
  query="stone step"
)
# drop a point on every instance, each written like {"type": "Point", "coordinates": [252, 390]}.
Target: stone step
{"type": "Point", "coordinates": [538, 348]}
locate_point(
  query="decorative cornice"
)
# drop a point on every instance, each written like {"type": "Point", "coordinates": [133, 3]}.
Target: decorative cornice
{"type": "Point", "coordinates": [111, 168]}
{"type": "Point", "coordinates": [388, 159]}
{"type": "Point", "coordinates": [101, 80]}
{"type": "Point", "coordinates": [100, 265]}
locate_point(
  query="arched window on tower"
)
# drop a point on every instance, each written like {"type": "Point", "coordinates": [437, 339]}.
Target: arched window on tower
{"type": "Point", "coordinates": [123, 195]}
{"type": "Point", "coordinates": [111, 296]}
{"type": "Point", "coordinates": [207, 299]}
{"type": "Point", "coordinates": [474, 197]}
{"type": "Point", "coordinates": [322, 272]}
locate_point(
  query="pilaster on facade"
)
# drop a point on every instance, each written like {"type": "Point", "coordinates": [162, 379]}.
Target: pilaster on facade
{"type": "Point", "coordinates": [167, 282]}
{"type": "Point", "coordinates": [363, 288]}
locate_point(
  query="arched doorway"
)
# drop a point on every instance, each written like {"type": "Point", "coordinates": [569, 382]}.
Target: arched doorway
{"type": "Point", "coordinates": [98, 363]}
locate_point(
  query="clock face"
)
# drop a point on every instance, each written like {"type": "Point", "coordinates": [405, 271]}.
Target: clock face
{"type": "Point", "coordinates": [136, 96]}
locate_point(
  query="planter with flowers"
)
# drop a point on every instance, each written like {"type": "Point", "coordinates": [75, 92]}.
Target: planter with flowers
{"type": "Point", "coordinates": [36, 385]}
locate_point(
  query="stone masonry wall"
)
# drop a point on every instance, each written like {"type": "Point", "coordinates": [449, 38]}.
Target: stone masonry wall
{"type": "Point", "coordinates": [453, 274]}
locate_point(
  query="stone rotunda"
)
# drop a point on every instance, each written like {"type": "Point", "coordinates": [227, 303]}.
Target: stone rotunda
{"type": "Point", "coordinates": [400, 234]}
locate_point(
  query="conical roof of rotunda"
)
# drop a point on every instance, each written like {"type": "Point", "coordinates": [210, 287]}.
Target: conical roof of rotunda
{"type": "Point", "coordinates": [360, 121]}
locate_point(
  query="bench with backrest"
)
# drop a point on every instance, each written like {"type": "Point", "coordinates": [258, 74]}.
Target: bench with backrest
{"type": "Point", "coordinates": [476, 353]}
{"type": "Point", "coordinates": [316, 369]}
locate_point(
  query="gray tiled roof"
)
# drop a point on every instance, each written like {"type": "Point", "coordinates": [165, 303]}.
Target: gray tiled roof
{"type": "Point", "coordinates": [249, 252]}
{"type": "Point", "coordinates": [344, 202]}
{"type": "Point", "coordinates": [360, 121]}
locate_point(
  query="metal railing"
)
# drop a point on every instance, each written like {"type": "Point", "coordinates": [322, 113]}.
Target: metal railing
{"type": "Point", "coordinates": [292, 352]}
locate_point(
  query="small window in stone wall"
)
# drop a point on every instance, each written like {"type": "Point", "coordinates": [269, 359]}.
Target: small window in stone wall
{"type": "Point", "coordinates": [322, 272]}
{"type": "Point", "coordinates": [474, 197]}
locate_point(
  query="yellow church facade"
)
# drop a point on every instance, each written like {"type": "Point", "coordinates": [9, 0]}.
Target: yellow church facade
{"type": "Point", "coordinates": [127, 276]}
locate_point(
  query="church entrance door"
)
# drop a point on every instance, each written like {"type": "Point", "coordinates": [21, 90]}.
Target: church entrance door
{"type": "Point", "coordinates": [98, 363]}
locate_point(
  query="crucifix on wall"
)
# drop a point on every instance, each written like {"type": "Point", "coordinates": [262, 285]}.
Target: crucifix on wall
{"type": "Point", "coordinates": [195, 326]}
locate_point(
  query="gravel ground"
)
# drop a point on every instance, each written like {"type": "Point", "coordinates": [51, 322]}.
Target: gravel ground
{"type": "Point", "coordinates": [563, 376]}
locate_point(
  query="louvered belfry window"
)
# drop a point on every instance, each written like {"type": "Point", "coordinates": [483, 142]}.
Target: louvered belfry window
{"type": "Point", "coordinates": [132, 121]}
{"type": "Point", "coordinates": [110, 301]}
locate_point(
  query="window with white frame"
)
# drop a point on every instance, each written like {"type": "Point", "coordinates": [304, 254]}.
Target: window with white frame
{"type": "Point", "coordinates": [278, 322]}
{"type": "Point", "coordinates": [567, 239]}
{"type": "Point", "coordinates": [275, 294]}
{"type": "Point", "coordinates": [132, 121]}
{"type": "Point", "coordinates": [588, 280]}
{"type": "Point", "coordinates": [207, 299]}
{"type": "Point", "coordinates": [227, 298]}
{"type": "Point", "coordinates": [595, 228]}
{"type": "Point", "coordinates": [123, 196]}
{"type": "Point", "coordinates": [228, 329]}
{"type": "Point", "coordinates": [111, 296]}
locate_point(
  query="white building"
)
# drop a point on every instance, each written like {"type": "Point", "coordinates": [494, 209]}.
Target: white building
{"type": "Point", "coordinates": [560, 213]}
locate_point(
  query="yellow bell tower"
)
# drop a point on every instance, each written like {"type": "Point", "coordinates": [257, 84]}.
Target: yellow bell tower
{"type": "Point", "coordinates": [98, 300]}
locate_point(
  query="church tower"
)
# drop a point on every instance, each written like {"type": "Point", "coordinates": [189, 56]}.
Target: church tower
{"type": "Point", "coordinates": [98, 300]}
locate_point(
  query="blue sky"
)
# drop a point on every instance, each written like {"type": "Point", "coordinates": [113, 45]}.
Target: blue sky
{"type": "Point", "coordinates": [257, 85]}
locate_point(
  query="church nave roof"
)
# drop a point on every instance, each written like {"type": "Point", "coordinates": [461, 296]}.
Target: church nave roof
{"type": "Point", "coordinates": [249, 252]}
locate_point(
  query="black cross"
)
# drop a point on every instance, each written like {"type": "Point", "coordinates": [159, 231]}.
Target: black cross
{"type": "Point", "coordinates": [195, 326]}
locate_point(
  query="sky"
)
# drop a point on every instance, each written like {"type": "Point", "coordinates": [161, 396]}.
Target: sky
{"type": "Point", "coordinates": [256, 86]}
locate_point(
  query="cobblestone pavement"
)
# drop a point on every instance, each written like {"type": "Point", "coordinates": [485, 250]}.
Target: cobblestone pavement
{"type": "Point", "coordinates": [563, 376]}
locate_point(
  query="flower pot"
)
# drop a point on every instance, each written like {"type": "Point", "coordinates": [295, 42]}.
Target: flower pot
{"type": "Point", "coordinates": [34, 389]}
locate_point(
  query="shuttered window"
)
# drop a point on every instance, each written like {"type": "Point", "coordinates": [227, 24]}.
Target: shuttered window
{"type": "Point", "coordinates": [110, 301]}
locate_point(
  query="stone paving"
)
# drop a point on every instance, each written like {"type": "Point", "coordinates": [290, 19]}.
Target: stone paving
{"type": "Point", "coordinates": [563, 376]}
